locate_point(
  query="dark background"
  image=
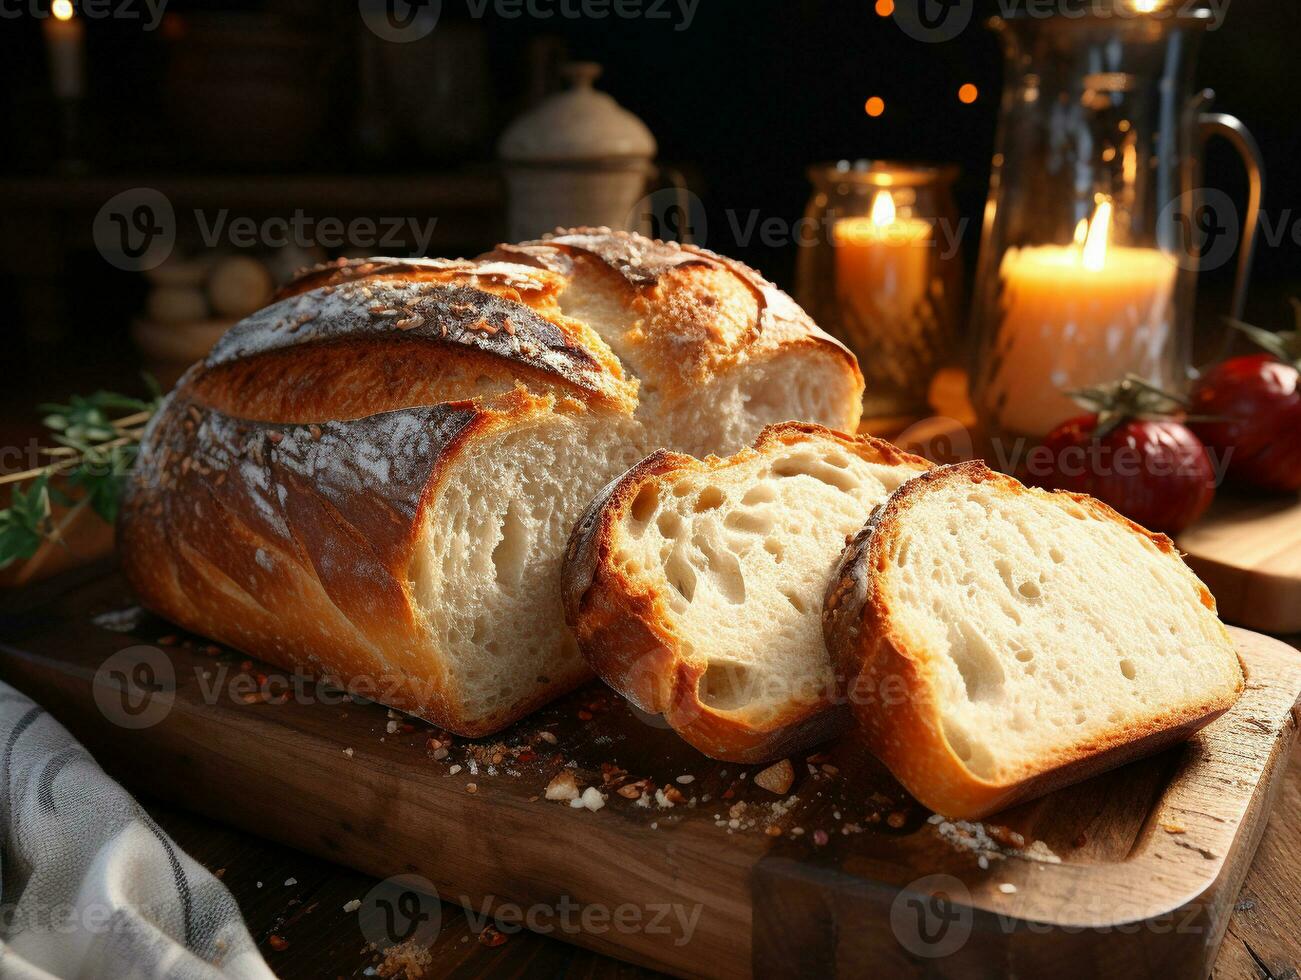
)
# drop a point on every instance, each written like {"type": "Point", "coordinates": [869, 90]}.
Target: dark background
{"type": "Point", "coordinates": [742, 101]}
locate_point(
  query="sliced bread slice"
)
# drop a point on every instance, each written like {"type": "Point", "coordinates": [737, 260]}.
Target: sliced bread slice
{"type": "Point", "coordinates": [695, 587]}
{"type": "Point", "coordinates": [1001, 641]}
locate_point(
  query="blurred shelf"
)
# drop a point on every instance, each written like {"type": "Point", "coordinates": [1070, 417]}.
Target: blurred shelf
{"type": "Point", "coordinates": [459, 190]}
{"type": "Point", "coordinates": [47, 222]}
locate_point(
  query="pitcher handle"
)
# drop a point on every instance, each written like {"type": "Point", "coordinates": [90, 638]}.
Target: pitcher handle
{"type": "Point", "coordinates": [1232, 129]}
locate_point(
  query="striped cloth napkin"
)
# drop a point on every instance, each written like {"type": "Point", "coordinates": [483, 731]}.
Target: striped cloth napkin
{"type": "Point", "coordinates": [90, 886]}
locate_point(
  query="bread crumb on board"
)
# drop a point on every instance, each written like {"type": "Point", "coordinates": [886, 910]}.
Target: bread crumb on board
{"type": "Point", "coordinates": [564, 786]}
{"type": "Point", "coordinates": [405, 961]}
{"type": "Point", "coordinates": [592, 799]}
{"type": "Point", "coordinates": [777, 778]}
{"type": "Point", "coordinates": [974, 837]}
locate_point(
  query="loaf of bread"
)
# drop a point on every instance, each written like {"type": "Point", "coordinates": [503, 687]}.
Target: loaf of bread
{"type": "Point", "coordinates": [374, 477]}
{"type": "Point", "coordinates": [695, 587]}
{"type": "Point", "coordinates": [1000, 641]}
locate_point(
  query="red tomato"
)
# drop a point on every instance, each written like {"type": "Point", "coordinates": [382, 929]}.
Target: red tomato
{"type": "Point", "coordinates": [1156, 472]}
{"type": "Point", "coordinates": [1256, 404]}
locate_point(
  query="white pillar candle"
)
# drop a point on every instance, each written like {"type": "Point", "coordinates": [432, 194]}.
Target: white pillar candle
{"type": "Point", "coordinates": [65, 37]}
{"type": "Point", "coordinates": [883, 275]}
{"type": "Point", "coordinates": [882, 264]}
{"type": "Point", "coordinates": [1077, 315]}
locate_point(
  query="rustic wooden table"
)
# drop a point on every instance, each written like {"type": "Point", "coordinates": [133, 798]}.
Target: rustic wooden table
{"type": "Point", "coordinates": [304, 931]}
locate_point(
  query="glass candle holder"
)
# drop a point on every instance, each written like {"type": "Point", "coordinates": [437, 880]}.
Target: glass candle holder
{"type": "Point", "coordinates": [884, 273]}
{"type": "Point", "coordinates": [1096, 222]}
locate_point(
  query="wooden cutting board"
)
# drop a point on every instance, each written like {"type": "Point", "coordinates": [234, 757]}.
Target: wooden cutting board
{"type": "Point", "coordinates": [1133, 872]}
{"type": "Point", "coordinates": [1248, 552]}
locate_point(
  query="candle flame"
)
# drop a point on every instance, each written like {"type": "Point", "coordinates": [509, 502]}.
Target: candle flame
{"type": "Point", "coordinates": [1095, 244]}
{"type": "Point", "coordinates": [1082, 232]}
{"type": "Point", "coordinates": [62, 9]}
{"type": "Point", "coordinates": [883, 210]}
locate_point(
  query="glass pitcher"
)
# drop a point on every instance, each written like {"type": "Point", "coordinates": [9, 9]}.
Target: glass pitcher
{"type": "Point", "coordinates": [1097, 222]}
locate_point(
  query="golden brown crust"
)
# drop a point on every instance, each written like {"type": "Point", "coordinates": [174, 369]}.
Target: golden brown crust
{"type": "Point", "coordinates": [891, 691]}
{"type": "Point", "coordinates": [292, 542]}
{"type": "Point", "coordinates": [446, 318]}
{"type": "Point", "coordinates": [282, 486]}
{"type": "Point", "coordinates": [694, 314]}
{"type": "Point", "coordinates": [491, 275]}
{"type": "Point", "coordinates": [623, 625]}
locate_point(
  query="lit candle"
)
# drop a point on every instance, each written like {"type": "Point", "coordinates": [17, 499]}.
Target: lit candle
{"type": "Point", "coordinates": [1074, 316]}
{"type": "Point", "coordinates": [65, 46]}
{"type": "Point", "coordinates": [882, 278]}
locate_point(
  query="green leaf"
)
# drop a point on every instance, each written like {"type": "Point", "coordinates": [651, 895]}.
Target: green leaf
{"type": "Point", "coordinates": [1133, 397]}
{"type": "Point", "coordinates": [109, 400]}
{"type": "Point", "coordinates": [94, 473]}
{"type": "Point", "coordinates": [104, 495]}
{"type": "Point", "coordinates": [26, 522]}
{"type": "Point", "coordinates": [1285, 344]}
{"type": "Point", "coordinates": [17, 543]}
